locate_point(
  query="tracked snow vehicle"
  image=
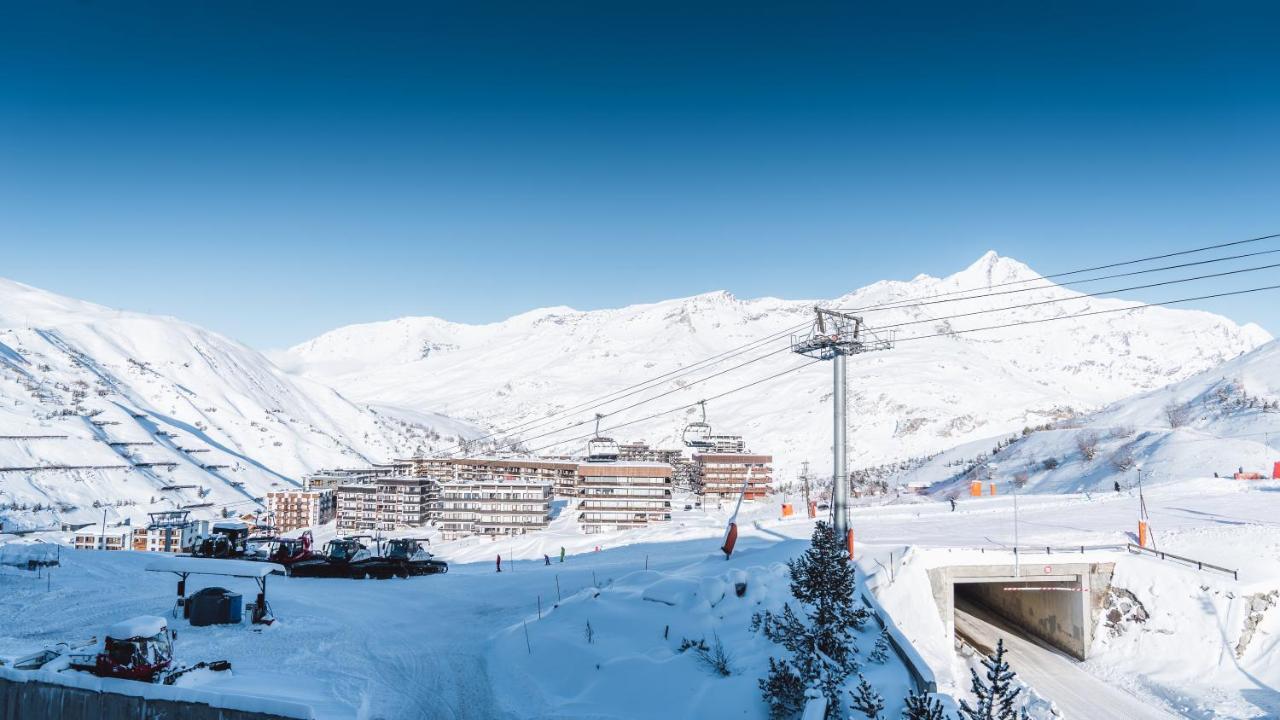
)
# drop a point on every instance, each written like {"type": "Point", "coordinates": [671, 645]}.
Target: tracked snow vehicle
{"type": "Point", "coordinates": [226, 539]}
{"type": "Point", "coordinates": [345, 557]}
{"type": "Point", "coordinates": [411, 558]}
{"type": "Point", "coordinates": [290, 551]}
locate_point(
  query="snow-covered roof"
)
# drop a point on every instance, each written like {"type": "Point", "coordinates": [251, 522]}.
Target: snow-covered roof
{"type": "Point", "coordinates": [141, 626]}
{"type": "Point", "coordinates": [214, 566]}
{"type": "Point", "coordinates": [231, 525]}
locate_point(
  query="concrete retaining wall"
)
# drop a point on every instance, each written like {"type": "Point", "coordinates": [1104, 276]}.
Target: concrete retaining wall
{"type": "Point", "coordinates": [23, 696]}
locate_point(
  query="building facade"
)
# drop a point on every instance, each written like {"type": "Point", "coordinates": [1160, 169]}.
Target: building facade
{"type": "Point", "coordinates": [387, 502]}
{"type": "Point", "coordinates": [494, 507]}
{"type": "Point", "coordinates": [560, 473]}
{"type": "Point", "coordinates": [114, 539]}
{"type": "Point", "coordinates": [622, 495]}
{"type": "Point", "coordinates": [299, 509]}
{"type": "Point", "coordinates": [723, 474]}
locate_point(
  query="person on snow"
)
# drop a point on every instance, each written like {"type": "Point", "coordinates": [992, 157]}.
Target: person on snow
{"type": "Point", "coordinates": [546, 558]}
{"type": "Point", "coordinates": [1117, 484]}
{"type": "Point", "coordinates": [561, 553]}
{"type": "Point", "coordinates": [499, 563]}
{"type": "Point", "coordinates": [953, 504]}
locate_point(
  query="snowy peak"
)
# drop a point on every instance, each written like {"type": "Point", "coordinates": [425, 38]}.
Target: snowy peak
{"type": "Point", "coordinates": [992, 269]}
{"type": "Point", "coordinates": [919, 398]}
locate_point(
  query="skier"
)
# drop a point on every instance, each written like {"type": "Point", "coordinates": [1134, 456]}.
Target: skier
{"type": "Point", "coordinates": [561, 553]}
{"type": "Point", "coordinates": [953, 504]}
{"type": "Point", "coordinates": [499, 563]}
{"type": "Point", "coordinates": [546, 558]}
{"type": "Point", "coordinates": [1117, 484]}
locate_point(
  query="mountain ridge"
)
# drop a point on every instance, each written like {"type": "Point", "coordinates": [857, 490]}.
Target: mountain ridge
{"type": "Point", "coordinates": [521, 369]}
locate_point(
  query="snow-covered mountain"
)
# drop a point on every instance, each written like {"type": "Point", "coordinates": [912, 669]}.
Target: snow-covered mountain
{"type": "Point", "coordinates": [919, 398]}
{"type": "Point", "coordinates": [109, 407]}
{"type": "Point", "coordinates": [1222, 420]}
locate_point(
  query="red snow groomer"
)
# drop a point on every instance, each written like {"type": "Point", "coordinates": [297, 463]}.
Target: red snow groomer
{"type": "Point", "coordinates": [288, 551]}
{"type": "Point", "coordinates": [137, 649]}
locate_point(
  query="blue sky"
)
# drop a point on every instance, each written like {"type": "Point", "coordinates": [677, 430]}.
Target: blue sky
{"type": "Point", "coordinates": [274, 170]}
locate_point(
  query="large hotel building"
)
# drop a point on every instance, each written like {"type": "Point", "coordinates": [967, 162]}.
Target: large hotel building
{"type": "Point", "coordinates": [507, 496]}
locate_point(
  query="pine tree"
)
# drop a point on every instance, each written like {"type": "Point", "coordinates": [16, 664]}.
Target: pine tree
{"type": "Point", "coordinates": [922, 707]}
{"type": "Point", "coordinates": [880, 653]}
{"type": "Point", "coordinates": [995, 696]}
{"type": "Point", "coordinates": [867, 701]}
{"type": "Point", "coordinates": [783, 689]}
{"type": "Point", "coordinates": [823, 651]}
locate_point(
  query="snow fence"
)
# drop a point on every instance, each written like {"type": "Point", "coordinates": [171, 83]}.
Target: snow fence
{"type": "Point", "coordinates": [36, 694]}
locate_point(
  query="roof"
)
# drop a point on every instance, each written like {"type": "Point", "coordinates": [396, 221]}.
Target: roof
{"type": "Point", "coordinates": [625, 469]}
{"type": "Point", "coordinates": [497, 461]}
{"type": "Point", "coordinates": [214, 566]}
{"type": "Point", "coordinates": [141, 626]}
{"type": "Point", "coordinates": [231, 525]}
{"type": "Point", "coordinates": [716, 457]}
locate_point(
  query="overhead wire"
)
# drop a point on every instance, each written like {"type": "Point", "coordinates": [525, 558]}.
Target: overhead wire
{"type": "Point", "coordinates": [1036, 321]}
{"type": "Point", "coordinates": [649, 384]}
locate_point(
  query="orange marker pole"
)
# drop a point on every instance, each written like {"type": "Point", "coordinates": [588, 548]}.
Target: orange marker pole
{"type": "Point", "coordinates": [1142, 533]}
{"type": "Point", "coordinates": [993, 489]}
{"type": "Point", "coordinates": [850, 541]}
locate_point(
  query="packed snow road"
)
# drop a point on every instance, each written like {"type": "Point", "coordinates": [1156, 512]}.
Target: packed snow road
{"type": "Point", "coordinates": [1076, 693]}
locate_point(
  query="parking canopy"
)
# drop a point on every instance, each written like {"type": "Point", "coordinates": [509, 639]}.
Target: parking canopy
{"type": "Point", "coordinates": [213, 566]}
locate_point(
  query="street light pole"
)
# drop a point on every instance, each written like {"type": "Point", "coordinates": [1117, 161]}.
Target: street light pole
{"type": "Point", "coordinates": [1017, 562]}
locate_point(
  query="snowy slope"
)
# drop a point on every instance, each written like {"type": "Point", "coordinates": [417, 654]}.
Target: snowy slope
{"type": "Point", "coordinates": [1220, 420]}
{"type": "Point", "coordinates": [133, 403]}
{"type": "Point", "coordinates": [919, 398]}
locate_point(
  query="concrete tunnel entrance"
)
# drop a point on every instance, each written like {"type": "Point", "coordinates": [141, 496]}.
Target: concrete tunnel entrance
{"type": "Point", "coordinates": [1058, 603]}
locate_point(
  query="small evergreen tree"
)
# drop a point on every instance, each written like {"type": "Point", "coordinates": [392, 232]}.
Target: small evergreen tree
{"type": "Point", "coordinates": [921, 706]}
{"type": "Point", "coordinates": [996, 695]}
{"type": "Point", "coordinates": [867, 701]}
{"type": "Point", "coordinates": [823, 651]}
{"type": "Point", "coordinates": [880, 653]}
{"type": "Point", "coordinates": [783, 690]}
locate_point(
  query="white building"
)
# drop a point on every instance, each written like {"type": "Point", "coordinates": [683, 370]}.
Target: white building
{"type": "Point", "coordinates": [494, 507]}
{"type": "Point", "coordinates": [623, 495]}
{"type": "Point", "coordinates": [113, 539]}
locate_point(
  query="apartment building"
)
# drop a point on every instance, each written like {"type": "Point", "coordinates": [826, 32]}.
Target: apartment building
{"type": "Point", "coordinates": [723, 474]}
{"type": "Point", "coordinates": [725, 444]}
{"type": "Point", "coordinates": [623, 494]}
{"type": "Point", "coordinates": [299, 509]}
{"type": "Point", "coordinates": [386, 502]}
{"type": "Point", "coordinates": [114, 539]}
{"type": "Point", "coordinates": [331, 479]}
{"type": "Point", "coordinates": [561, 473]}
{"type": "Point", "coordinates": [357, 509]}
{"type": "Point", "coordinates": [683, 472]}
{"type": "Point", "coordinates": [494, 507]}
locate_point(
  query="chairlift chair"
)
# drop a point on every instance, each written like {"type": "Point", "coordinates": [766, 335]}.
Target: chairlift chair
{"type": "Point", "coordinates": [696, 434]}
{"type": "Point", "coordinates": [599, 448]}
